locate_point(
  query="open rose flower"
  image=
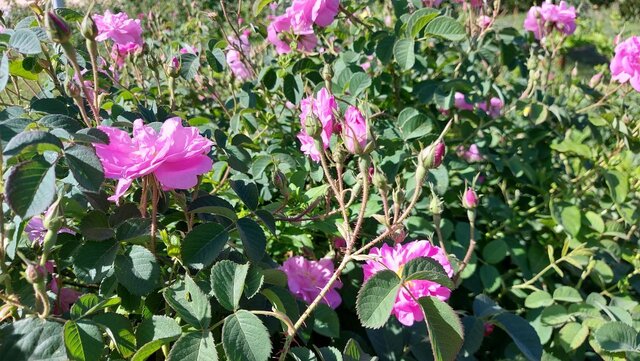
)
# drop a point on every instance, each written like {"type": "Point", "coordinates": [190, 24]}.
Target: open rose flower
{"type": "Point", "coordinates": [176, 155]}
{"type": "Point", "coordinates": [543, 20]}
{"type": "Point", "coordinates": [320, 12]}
{"type": "Point", "coordinates": [125, 33]}
{"type": "Point", "coordinates": [625, 66]}
{"type": "Point", "coordinates": [306, 279]}
{"type": "Point", "coordinates": [322, 108]}
{"type": "Point", "coordinates": [406, 309]}
{"type": "Point", "coordinates": [286, 28]}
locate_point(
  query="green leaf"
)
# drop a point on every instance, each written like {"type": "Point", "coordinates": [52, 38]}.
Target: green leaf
{"type": "Point", "coordinates": [35, 140]}
{"type": "Point", "coordinates": [93, 260]}
{"type": "Point", "coordinates": [595, 221]}
{"type": "Point", "coordinates": [17, 68]}
{"type": "Point", "coordinates": [329, 353]}
{"type": "Point", "coordinates": [495, 251]}
{"type": "Point", "coordinates": [253, 238]}
{"type": "Point", "coordinates": [227, 282]}
{"type": "Point", "coordinates": [190, 302]}
{"type": "Point", "coordinates": [83, 340]}
{"type": "Point", "coordinates": [419, 20]}
{"type": "Point", "coordinates": [60, 121]}
{"type": "Point", "coordinates": [255, 280]}
{"type": "Point", "coordinates": [91, 135]}
{"type": "Point", "coordinates": [245, 338]}
{"type": "Point", "coordinates": [302, 354]}
{"type": "Point", "coordinates": [119, 331]}
{"type": "Point", "coordinates": [404, 53]}
{"type": "Point", "coordinates": [150, 348]}
{"type": "Point", "coordinates": [95, 226]}
{"type": "Point", "coordinates": [157, 328]}
{"type": "Point", "coordinates": [428, 269]}
{"type": "Point", "coordinates": [570, 219]}
{"type": "Point", "coordinates": [376, 298]}
{"type": "Point", "coordinates": [618, 184]}
{"type": "Point", "coordinates": [567, 294]}
{"type": "Point", "coordinates": [32, 339]}
{"type": "Point", "coordinates": [25, 41]}
{"type": "Point", "coordinates": [554, 315]}
{"type": "Point", "coordinates": [203, 244]}
{"type": "Point", "coordinates": [359, 82]}
{"type": "Point", "coordinates": [258, 5]}
{"type": "Point", "coordinates": [189, 65]}
{"type": "Point", "coordinates": [572, 336]}
{"type": "Point", "coordinates": [384, 48]}
{"type": "Point", "coordinates": [138, 271]}
{"type": "Point", "coordinates": [490, 278]}
{"type": "Point", "coordinates": [618, 337]}
{"type": "Point", "coordinates": [538, 299]}
{"type": "Point", "coordinates": [216, 59]}
{"type": "Point", "coordinates": [194, 346]}
{"type": "Point", "coordinates": [445, 330]}
{"type": "Point", "coordinates": [4, 71]}
{"type": "Point", "coordinates": [447, 28]}
{"type": "Point", "coordinates": [214, 205]}
{"type": "Point", "coordinates": [248, 193]}
{"type": "Point", "coordinates": [353, 352]}
{"type": "Point", "coordinates": [134, 230]}
{"type": "Point", "coordinates": [326, 321]}
{"type": "Point", "coordinates": [293, 90]}
{"type": "Point", "coordinates": [90, 303]}
{"type": "Point", "coordinates": [31, 187]}
{"type": "Point", "coordinates": [522, 334]}
{"type": "Point", "coordinates": [85, 166]}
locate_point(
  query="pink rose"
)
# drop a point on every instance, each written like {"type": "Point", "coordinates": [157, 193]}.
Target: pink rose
{"type": "Point", "coordinates": [280, 29]}
{"type": "Point", "coordinates": [119, 28]}
{"type": "Point", "coordinates": [484, 22]}
{"type": "Point", "coordinates": [542, 20]}
{"type": "Point", "coordinates": [473, 154]}
{"type": "Point", "coordinates": [625, 65]}
{"type": "Point", "coordinates": [235, 58]}
{"type": "Point", "coordinates": [354, 131]}
{"type": "Point", "coordinates": [461, 103]}
{"type": "Point", "coordinates": [406, 309]}
{"type": "Point", "coordinates": [322, 107]}
{"type": "Point", "coordinates": [320, 12]}
{"type": "Point", "coordinates": [470, 199]}
{"type": "Point", "coordinates": [493, 107]}
{"type": "Point", "coordinates": [176, 155]}
{"type": "Point", "coordinates": [306, 279]}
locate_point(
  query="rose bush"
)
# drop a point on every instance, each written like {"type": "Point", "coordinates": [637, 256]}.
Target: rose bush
{"type": "Point", "coordinates": [316, 179]}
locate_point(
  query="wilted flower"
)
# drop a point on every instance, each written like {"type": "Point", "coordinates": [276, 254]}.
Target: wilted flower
{"type": "Point", "coordinates": [321, 109]}
{"type": "Point", "coordinates": [320, 12]}
{"type": "Point", "coordinates": [306, 279]}
{"type": "Point", "coordinates": [176, 155]}
{"type": "Point", "coordinates": [406, 309]}
{"type": "Point", "coordinates": [625, 66]}
{"type": "Point", "coordinates": [544, 19]}
{"type": "Point", "coordinates": [354, 131]}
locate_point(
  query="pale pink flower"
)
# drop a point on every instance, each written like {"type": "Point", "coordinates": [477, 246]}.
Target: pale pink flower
{"type": "Point", "coordinates": [354, 130]}
{"type": "Point", "coordinates": [473, 154]}
{"type": "Point", "coordinates": [176, 155]}
{"type": "Point", "coordinates": [65, 296]}
{"type": "Point", "coordinates": [119, 28]}
{"type": "Point", "coordinates": [625, 65]}
{"type": "Point", "coordinates": [235, 59]}
{"type": "Point", "coordinates": [493, 107]}
{"type": "Point", "coordinates": [484, 22]}
{"type": "Point", "coordinates": [320, 12]}
{"type": "Point", "coordinates": [36, 230]}
{"type": "Point", "coordinates": [306, 279]}
{"type": "Point", "coordinates": [406, 309]}
{"type": "Point", "coordinates": [322, 107]}
{"type": "Point", "coordinates": [544, 19]}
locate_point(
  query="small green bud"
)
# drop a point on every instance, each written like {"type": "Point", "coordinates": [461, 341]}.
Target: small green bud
{"type": "Point", "coordinates": [88, 28]}
{"type": "Point", "coordinates": [57, 29]}
{"type": "Point", "coordinates": [35, 273]}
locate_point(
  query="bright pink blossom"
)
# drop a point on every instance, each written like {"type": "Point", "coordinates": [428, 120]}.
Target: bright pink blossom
{"type": "Point", "coordinates": [406, 309]}
{"type": "Point", "coordinates": [625, 66]}
{"type": "Point", "coordinates": [461, 103]}
{"type": "Point", "coordinates": [320, 12]}
{"type": "Point", "coordinates": [235, 59]}
{"type": "Point", "coordinates": [544, 19]}
{"type": "Point", "coordinates": [306, 279]}
{"type": "Point", "coordinates": [470, 199]}
{"type": "Point", "coordinates": [36, 230]}
{"type": "Point", "coordinates": [493, 107]}
{"type": "Point", "coordinates": [471, 155]}
{"type": "Point", "coordinates": [286, 28]}
{"type": "Point", "coordinates": [354, 131]}
{"type": "Point", "coordinates": [125, 33]}
{"type": "Point", "coordinates": [176, 155]}
{"type": "Point", "coordinates": [322, 108]}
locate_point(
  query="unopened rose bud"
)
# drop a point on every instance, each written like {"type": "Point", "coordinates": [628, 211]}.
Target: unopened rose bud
{"type": "Point", "coordinates": [35, 273]}
{"type": "Point", "coordinates": [173, 69]}
{"type": "Point", "coordinates": [433, 155]}
{"type": "Point", "coordinates": [398, 196]}
{"type": "Point", "coordinates": [58, 30]}
{"type": "Point", "coordinates": [380, 181]}
{"type": "Point", "coordinates": [470, 199]}
{"type": "Point", "coordinates": [280, 181]}
{"type": "Point", "coordinates": [327, 73]}
{"type": "Point", "coordinates": [73, 90]}
{"type": "Point", "coordinates": [88, 28]}
{"type": "Point", "coordinates": [488, 329]}
{"type": "Point", "coordinates": [435, 205]}
{"type": "Point", "coordinates": [595, 80]}
{"type": "Point", "coordinates": [574, 71]}
{"type": "Point", "coordinates": [312, 126]}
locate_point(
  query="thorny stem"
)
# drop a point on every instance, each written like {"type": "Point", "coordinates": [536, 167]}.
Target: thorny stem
{"type": "Point", "coordinates": [71, 55]}
{"type": "Point", "coordinates": [472, 246]}
{"type": "Point", "coordinates": [436, 224]}
{"type": "Point", "coordinates": [154, 213]}
{"type": "Point", "coordinates": [93, 55]}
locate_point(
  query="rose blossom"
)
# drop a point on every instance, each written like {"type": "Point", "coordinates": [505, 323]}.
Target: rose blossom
{"type": "Point", "coordinates": [484, 21]}
{"type": "Point", "coordinates": [291, 23]}
{"type": "Point", "coordinates": [625, 66]}
{"type": "Point", "coordinates": [354, 131]}
{"type": "Point", "coordinates": [321, 107]}
{"type": "Point", "coordinates": [306, 279]}
{"type": "Point", "coordinates": [461, 103]}
{"type": "Point", "coordinates": [406, 309]}
{"type": "Point", "coordinates": [125, 33]}
{"type": "Point", "coordinates": [320, 12]}
{"type": "Point", "coordinates": [235, 59]}
{"type": "Point", "coordinates": [473, 154]}
{"type": "Point", "coordinates": [493, 107]}
{"type": "Point", "coordinates": [542, 20]}
{"type": "Point", "coordinates": [176, 155]}
{"type": "Point", "coordinates": [65, 296]}
{"type": "Point", "coordinates": [36, 230]}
